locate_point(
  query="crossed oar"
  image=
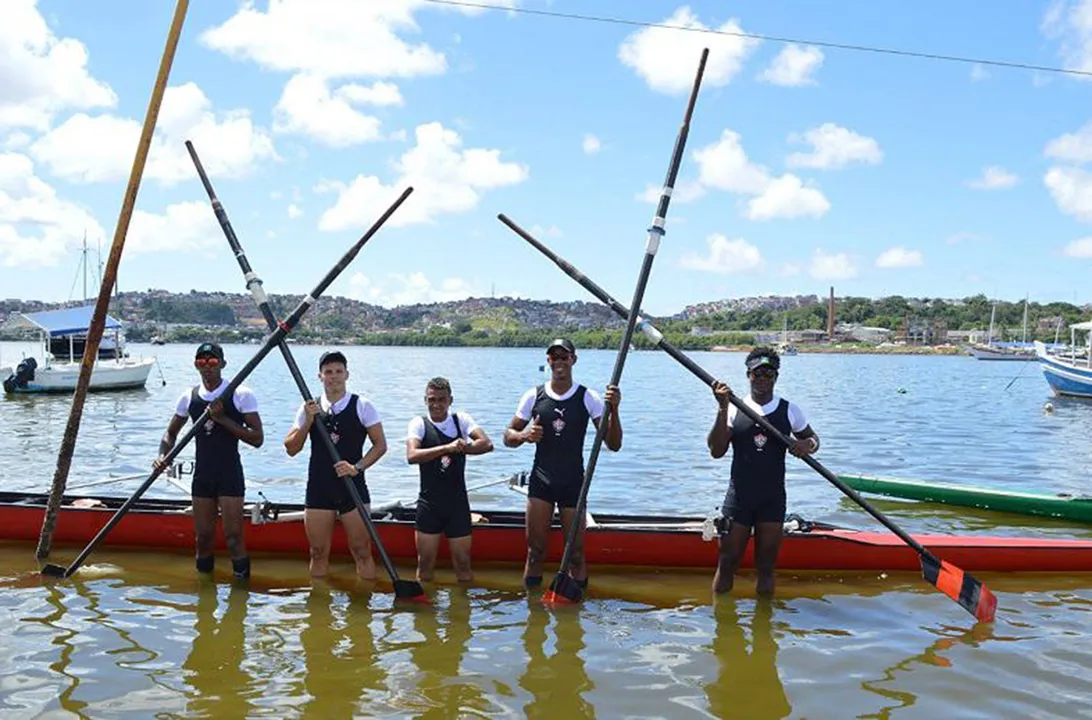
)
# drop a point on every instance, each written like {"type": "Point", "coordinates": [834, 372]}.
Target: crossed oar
{"type": "Point", "coordinates": [403, 589]}
{"type": "Point", "coordinates": [280, 330]}
{"type": "Point", "coordinates": [970, 593]}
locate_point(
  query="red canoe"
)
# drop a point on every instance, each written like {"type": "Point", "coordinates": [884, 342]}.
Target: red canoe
{"type": "Point", "coordinates": [665, 542]}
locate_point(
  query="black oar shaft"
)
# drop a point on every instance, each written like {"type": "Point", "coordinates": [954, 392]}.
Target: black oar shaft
{"type": "Point", "coordinates": [277, 336]}
{"type": "Point", "coordinates": [657, 339]}
{"type": "Point", "coordinates": [655, 232]}
{"type": "Point", "coordinates": [254, 285]}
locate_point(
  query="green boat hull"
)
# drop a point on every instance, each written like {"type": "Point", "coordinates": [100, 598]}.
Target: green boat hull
{"type": "Point", "coordinates": [1067, 507]}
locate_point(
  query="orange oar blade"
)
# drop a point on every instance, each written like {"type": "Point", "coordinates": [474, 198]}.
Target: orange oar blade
{"type": "Point", "coordinates": [972, 595]}
{"type": "Point", "coordinates": [563, 591]}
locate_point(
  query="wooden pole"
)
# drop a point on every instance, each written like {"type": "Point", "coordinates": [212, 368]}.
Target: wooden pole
{"type": "Point", "coordinates": [98, 319]}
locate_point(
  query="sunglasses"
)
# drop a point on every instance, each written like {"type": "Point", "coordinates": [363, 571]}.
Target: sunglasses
{"type": "Point", "coordinates": [207, 362]}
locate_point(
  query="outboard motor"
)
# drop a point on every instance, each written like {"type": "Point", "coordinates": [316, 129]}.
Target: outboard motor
{"type": "Point", "coordinates": [23, 374]}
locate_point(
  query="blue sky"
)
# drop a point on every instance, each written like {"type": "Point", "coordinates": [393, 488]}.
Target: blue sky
{"type": "Point", "coordinates": [806, 167]}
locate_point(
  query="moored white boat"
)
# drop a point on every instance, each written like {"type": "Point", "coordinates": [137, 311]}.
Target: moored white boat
{"type": "Point", "coordinates": [1069, 375]}
{"type": "Point", "coordinates": [52, 376]}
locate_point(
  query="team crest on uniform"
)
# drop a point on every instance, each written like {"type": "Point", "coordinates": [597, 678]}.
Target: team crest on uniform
{"type": "Point", "coordinates": [445, 462]}
{"type": "Point", "coordinates": [760, 441]}
{"type": "Point", "coordinates": [335, 437]}
{"type": "Point", "coordinates": [558, 425]}
{"type": "Point", "coordinates": [209, 425]}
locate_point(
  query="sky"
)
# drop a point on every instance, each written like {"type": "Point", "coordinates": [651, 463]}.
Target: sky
{"type": "Point", "coordinates": [807, 166]}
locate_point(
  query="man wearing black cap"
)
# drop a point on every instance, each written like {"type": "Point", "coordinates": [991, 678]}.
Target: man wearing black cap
{"type": "Point", "coordinates": [218, 481]}
{"type": "Point", "coordinates": [350, 420]}
{"type": "Point", "coordinates": [756, 490]}
{"type": "Point", "coordinates": [554, 416]}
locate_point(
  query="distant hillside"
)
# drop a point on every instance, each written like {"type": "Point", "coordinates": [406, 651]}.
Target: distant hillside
{"type": "Point", "coordinates": [232, 317]}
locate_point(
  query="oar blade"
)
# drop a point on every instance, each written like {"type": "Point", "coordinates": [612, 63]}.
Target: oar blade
{"type": "Point", "coordinates": [563, 591]}
{"type": "Point", "coordinates": [51, 570]}
{"type": "Point", "coordinates": [410, 591]}
{"type": "Point", "coordinates": [968, 592]}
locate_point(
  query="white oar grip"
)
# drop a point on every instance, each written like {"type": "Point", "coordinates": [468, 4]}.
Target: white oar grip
{"type": "Point", "coordinates": [649, 330]}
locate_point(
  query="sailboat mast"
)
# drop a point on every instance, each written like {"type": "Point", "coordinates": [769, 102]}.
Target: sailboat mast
{"type": "Point", "coordinates": [1025, 342]}
{"type": "Point", "coordinates": [84, 263]}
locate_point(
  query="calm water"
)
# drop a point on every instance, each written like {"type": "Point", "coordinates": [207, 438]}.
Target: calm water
{"type": "Point", "coordinates": [139, 635]}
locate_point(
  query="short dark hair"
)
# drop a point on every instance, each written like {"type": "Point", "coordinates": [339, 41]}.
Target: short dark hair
{"type": "Point", "coordinates": [332, 356]}
{"type": "Point", "coordinates": [762, 355]}
{"type": "Point", "coordinates": [209, 348]}
{"type": "Point", "coordinates": [439, 383]}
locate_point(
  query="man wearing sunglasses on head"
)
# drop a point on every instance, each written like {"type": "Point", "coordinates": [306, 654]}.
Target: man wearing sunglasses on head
{"type": "Point", "coordinates": [756, 491]}
{"type": "Point", "coordinates": [218, 481]}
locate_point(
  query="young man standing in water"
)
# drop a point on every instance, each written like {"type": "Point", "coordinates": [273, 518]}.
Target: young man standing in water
{"type": "Point", "coordinates": [218, 481]}
{"type": "Point", "coordinates": [554, 416]}
{"type": "Point", "coordinates": [756, 490]}
{"type": "Point", "coordinates": [438, 443]}
{"type": "Point", "coordinates": [350, 420]}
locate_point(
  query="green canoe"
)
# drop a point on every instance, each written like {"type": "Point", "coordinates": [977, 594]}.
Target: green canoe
{"type": "Point", "coordinates": [1068, 507]}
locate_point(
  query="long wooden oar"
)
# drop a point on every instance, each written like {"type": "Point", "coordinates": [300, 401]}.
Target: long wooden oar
{"type": "Point", "coordinates": [564, 589]}
{"type": "Point", "coordinates": [403, 589]}
{"type": "Point", "coordinates": [960, 586]}
{"type": "Point", "coordinates": [283, 328]}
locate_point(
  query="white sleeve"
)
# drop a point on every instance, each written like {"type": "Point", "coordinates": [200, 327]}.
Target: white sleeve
{"type": "Point", "coordinates": [593, 403]}
{"type": "Point", "coordinates": [526, 404]}
{"type": "Point", "coordinates": [182, 407]}
{"type": "Point", "coordinates": [301, 417]}
{"type": "Point", "coordinates": [797, 420]}
{"type": "Point", "coordinates": [366, 412]}
{"type": "Point", "coordinates": [467, 423]}
{"type": "Point", "coordinates": [245, 400]}
{"type": "Point", "coordinates": [415, 429]}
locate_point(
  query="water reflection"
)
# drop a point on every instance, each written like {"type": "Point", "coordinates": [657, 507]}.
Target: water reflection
{"type": "Point", "coordinates": [558, 681]}
{"type": "Point", "coordinates": [747, 684]}
{"type": "Point", "coordinates": [343, 674]}
{"type": "Point", "coordinates": [215, 668]}
{"type": "Point", "coordinates": [444, 690]}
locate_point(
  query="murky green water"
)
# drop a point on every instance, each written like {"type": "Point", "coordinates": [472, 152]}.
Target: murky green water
{"type": "Point", "coordinates": [138, 635]}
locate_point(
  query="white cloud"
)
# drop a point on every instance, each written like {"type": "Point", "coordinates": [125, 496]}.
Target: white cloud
{"type": "Point", "coordinates": [667, 59]}
{"type": "Point", "coordinates": [685, 191]}
{"type": "Point", "coordinates": [294, 211]}
{"type": "Point", "coordinates": [183, 227]}
{"type": "Point", "coordinates": [1074, 148]}
{"type": "Point", "coordinates": [1071, 189]}
{"type": "Point", "coordinates": [16, 141]}
{"type": "Point", "coordinates": [36, 226]}
{"type": "Point", "coordinates": [979, 73]}
{"type": "Point", "coordinates": [834, 147]}
{"type": "Point", "coordinates": [838, 266]}
{"type": "Point", "coordinates": [724, 165]}
{"type": "Point", "coordinates": [725, 256]}
{"type": "Point", "coordinates": [993, 177]}
{"type": "Point", "coordinates": [445, 178]}
{"type": "Point", "coordinates": [41, 74]}
{"type": "Point", "coordinates": [397, 289]}
{"type": "Point", "coordinates": [308, 107]}
{"type": "Point", "coordinates": [333, 38]}
{"type": "Point", "coordinates": [794, 66]}
{"type": "Point", "coordinates": [787, 197]}
{"type": "Point", "coordinates": [591, 144]}
{"type": "Point", "coordinates": [1070, 22]}
{"type": "Point", "coordinates": [1079, 248]}
{"type": "Point", "coordinates": [899, 257]}
{"type": "Point", "coordinates": [538, 231]}
{"type": "Point", "coordinates": [228, 146]}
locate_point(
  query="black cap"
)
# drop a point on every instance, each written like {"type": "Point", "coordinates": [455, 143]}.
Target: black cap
{"type": "Point", "coordinates": [332, 356]}
{"type": "Point", "coordinates": [760, 360]}
{"type": "Point", "coordinates": [209, 349]}
{"type": "Point", "coordinates": [564, 344]}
